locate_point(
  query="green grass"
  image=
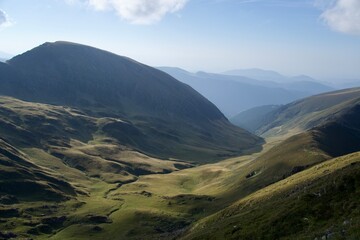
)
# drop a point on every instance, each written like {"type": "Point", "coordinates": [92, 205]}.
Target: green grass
{"type": "Point", "coordinates": [319, 201]}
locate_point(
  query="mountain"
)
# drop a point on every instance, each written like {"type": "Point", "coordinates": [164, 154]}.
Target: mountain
{"type": "Point", "coordinates": [234, 94]}
{"type": "Point", "coordinates": [253, 118]}
{"type": "Point", "coordinates": [166, 118]}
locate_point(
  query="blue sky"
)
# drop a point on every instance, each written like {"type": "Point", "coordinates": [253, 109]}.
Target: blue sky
{"type": "Point", "coordinates": [320, 38]}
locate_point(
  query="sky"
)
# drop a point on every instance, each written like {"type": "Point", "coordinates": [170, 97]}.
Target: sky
{"type": "Point", "coordinates": [320, 38]}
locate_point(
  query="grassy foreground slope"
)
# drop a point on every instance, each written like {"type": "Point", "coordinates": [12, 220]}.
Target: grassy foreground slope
{"type": "Point", "coordinates": [320, 201]}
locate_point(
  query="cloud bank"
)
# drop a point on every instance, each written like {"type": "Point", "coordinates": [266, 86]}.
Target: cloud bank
{"type": "Point", "coordinates": [343, 16]}
{"type": "Point", "coordinates": [138, 11]}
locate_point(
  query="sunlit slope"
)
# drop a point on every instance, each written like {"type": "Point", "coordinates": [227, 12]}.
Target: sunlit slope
{"type": "Point", "coordinates": [317, 202]}
{"type": "Point", "coordinates": [311, 112]}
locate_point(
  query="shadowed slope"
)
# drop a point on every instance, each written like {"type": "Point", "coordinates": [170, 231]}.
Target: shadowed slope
{"type": "Point", "coordinates": [80, 141]}
{"type": "Point", "coordinates": [22, 180]}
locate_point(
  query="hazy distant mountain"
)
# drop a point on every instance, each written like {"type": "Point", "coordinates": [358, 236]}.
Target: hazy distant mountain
{"type": "Point", "coordinates": [273, 79]}
{"type": "Point", "coordinates": [234, 94]}
{"type": "Point", "coordinates": [166, 117]}
{"type": "Point", "coordinates": [300, 83]}
{"type": "Point", "coordinates": [259, 74]}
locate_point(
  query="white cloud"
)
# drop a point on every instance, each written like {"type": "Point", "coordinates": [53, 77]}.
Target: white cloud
{"type": "Point", "coordinates": [137, 11]}
{"type": "Point", "coordinates": [101, 4]}
{"type": "Point", "coordinates": [4, 20]}
{"type": "Point", "coordinates": [343, 16]}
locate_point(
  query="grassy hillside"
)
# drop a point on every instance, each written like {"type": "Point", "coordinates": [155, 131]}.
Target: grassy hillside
{"type": "Point", "coordinates": [320, 202]}
{"type": "Point", "coordinates": [21, 180]}
{"type": "Point", "coordinates": [80, 141]}
{"type": "Point", "coordinates": [310, 112]}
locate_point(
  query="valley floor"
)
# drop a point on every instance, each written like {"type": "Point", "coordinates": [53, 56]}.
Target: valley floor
{"type": "Point", "coordinates": [184, 204]}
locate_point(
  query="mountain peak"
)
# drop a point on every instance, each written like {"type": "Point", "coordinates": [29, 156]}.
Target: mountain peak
{"type": "Point", "coordinates": [103, 84]}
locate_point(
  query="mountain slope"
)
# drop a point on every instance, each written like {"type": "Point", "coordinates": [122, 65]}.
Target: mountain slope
{"type": "Point", "coordinates": [68, 74]}
{"type": "Point", "coordinates": [22, 180]}
{"type": "Point", "coordinates": [311, 112]}
{"type": "Point", "coordinates": [81, 142]}
{"type": "Point", "coordinates": [317, 203]}
{"type": "Point", "coordinates": [323, 127]}
{"type": "Point", "coordinates": [166, 118]}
